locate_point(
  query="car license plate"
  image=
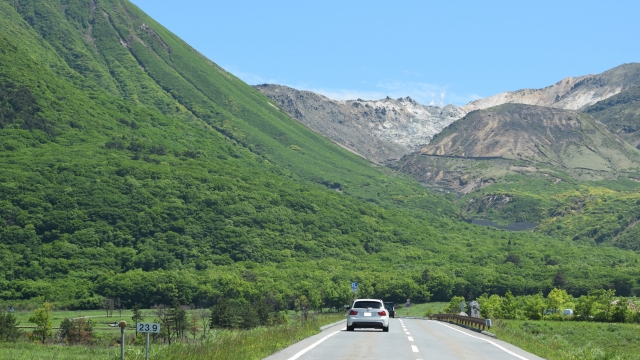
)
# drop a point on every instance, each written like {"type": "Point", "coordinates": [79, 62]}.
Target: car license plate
{"type": "Point", "coordinates": [367, 314]}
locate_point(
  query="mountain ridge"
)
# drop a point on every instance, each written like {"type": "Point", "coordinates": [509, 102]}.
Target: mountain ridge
{"type": "Point", "coordinates": [380, 130]}
{"type": "Point", "coordinates": [572, 93]}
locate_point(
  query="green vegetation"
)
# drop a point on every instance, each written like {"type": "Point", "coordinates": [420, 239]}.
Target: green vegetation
{"type": "Point", "coordinates": [136, 170]}
{"type": "Point", "coordinates": [594, 212]}
{"type": "Point", "coordinates": [621, 113]}
{"type": "Point", "coordinates": [42, 319]}
{"type": "Point", "coordinates": [138, 174]}
{"type": "Point", "coordinates": [217, 344]}
{"type": "Point", "coordinates": [565, 340]}
{"type": "Point", "coordinates": [599, 305]}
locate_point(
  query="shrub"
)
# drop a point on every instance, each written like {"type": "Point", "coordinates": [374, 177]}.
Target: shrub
{"type": "Point", "coordinates": [9, 327]}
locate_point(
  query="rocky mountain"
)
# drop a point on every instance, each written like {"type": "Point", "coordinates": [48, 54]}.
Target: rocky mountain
{"type": "Point", "coordinates": [562, 138]}
{"type": "Point", "coordinates": [621, 114]}
{"type": "Point", "coordinates": [382, 131]}
{"type": "Point", "coordinates": [572, 93]}
{"type": "Point", "coordinates": [486, 145]}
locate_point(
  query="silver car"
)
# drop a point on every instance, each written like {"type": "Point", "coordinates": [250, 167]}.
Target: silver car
{"type": "Point", "coordinates": [368, 313]}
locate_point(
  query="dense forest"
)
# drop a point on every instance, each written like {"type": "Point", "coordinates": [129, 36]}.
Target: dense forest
{"type": "Point", "coordinates": [134, 168]}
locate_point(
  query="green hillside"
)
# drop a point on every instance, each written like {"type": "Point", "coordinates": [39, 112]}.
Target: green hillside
{"type": "Point", "coordinates": [133, 167]}
{"type": "Point", "coordinates": [621, 114]}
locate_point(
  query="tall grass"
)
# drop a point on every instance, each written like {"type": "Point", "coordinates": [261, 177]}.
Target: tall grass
{"type": "Point", "coordinates": [219, 344]}
{"type": "Point", "coordinates": [569, 340]}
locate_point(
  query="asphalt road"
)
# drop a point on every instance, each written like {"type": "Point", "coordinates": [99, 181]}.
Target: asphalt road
{"type": "Point", "coordinates": [412, 339]}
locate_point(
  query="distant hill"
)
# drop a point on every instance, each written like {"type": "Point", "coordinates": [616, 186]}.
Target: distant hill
{"type": "Point", "coordinates": [572, 93]}
{"type": "Point", "coordinates": [621, 114]}
{"type": "Point", "coordinates": [381, 130]}
{"type": "Point", "coordinates": [486, 145]}
{"type": "Point", "coordinates": [535, 134]}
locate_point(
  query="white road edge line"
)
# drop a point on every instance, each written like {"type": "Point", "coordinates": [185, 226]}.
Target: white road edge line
{"type": "Point", "coordinates": [414, 348]}
{"type": "Point", "coordinates": [303, 351]}
{"type": "Point", "coordinates": [489, 341]}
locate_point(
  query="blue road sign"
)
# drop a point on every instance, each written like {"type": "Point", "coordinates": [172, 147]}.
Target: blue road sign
{"type": "Point", "coordinates": [354, 286]}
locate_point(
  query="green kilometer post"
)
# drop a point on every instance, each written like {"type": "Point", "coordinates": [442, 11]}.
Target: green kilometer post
{"type": "Point", "coordinates": [148, 328]}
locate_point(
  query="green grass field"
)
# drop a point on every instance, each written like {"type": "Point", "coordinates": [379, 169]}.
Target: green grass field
{"type": "Point", "coordinates": [420, 309]}
{"type": "Point", "coordinates": [564, 340]}
{"type": "Point", "coordinates": [218, 344]}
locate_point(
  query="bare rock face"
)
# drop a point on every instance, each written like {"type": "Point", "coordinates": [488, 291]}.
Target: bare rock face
{"type": "Point", "coordinates": [572, 93]}
{"type": "Point", "coordinates": [382, 131]}
{"type": "Point", "coordinates": [561, 138]}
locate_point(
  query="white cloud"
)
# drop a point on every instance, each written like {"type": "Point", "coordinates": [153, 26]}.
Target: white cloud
{"type": "Point", "coordinates": [423, 93]}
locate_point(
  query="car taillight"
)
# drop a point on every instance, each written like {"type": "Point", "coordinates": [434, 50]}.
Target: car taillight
{"type": "Point", "coordinates": [382, 313]}
{"type": "Point", "coordinates": [353, 312]}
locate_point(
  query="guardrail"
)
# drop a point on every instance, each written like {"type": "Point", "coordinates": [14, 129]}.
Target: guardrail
{"type": "Point", "coordinates": [464, 320]}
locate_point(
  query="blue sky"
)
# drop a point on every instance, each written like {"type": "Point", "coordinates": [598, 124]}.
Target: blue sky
{"type": "Point", "coordinates": [436, 52]}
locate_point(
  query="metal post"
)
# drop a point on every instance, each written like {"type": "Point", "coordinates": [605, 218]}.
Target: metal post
{"type": "Point", "coordinates": [121, 343]}
{"type": "Point", "coordinates": [122, 324]}
{"type": "Point", "coordinates": [147, 351]}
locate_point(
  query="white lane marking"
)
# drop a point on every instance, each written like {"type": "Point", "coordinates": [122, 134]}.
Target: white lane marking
{"type": "Point", "coordinates": [410, 338]}
{"type": "Point", "coordinates": [489, 341]}
{"type": "Point", "coordinates": [414, 348]}
{"type": "Point", "coordinates": [408, 333]}
{"type": "Point", "coordinates": [303, 351]}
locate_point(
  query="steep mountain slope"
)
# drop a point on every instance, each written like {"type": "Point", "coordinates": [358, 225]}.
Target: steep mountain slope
{"type": "Point", "coordinates": [134, 168]}
{"type": "Point", "coordinates": [621, 114]}
{"type": "Point", "coordinates": [382, 131]}
{"type": "Point", "coordinates": [570, 93]}
{"type": "Point", "coordinates": [486, 146]}
{"type": "Point", "coordinates": [535, 134]}
{"type": "Point", "coordinates": [114, 47]}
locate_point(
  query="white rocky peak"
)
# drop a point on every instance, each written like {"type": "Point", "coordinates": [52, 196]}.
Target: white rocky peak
{"type": "Point", "coordinates": [572, 93]}
{"type": "Point", "coordinates": [381, 130]}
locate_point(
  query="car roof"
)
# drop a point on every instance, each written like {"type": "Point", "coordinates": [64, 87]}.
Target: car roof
{"type": "Point", "coordinates": [367, 300]}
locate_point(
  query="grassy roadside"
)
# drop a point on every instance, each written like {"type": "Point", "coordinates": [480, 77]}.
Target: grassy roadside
{"type": "Point", "coordinates": [420, 309]}
{"type": "Point", "coordinates": [564, 340]}
{"type": "Point", "coordinates": [219, 344]}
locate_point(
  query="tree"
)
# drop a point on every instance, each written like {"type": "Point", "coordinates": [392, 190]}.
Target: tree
{"type": "Point", "coordinates": [162, 313]}
{"type": "Point", "coordinates": [42, 318]}
{"type": "Point", "coordinates": [137, 316]}
{"type": "Point", "coordinates": [489, 305]}
{"type": "Point", "coordinates": [107, 305]}
{"type": "Point", "coordinates": [534, 306]}
{"type": "Point", "coordinates": [424, 277]}
{"type": "Point", "coordinates": [604, 300]}
{"type": "Point", "coordinates": [195, 326]}
{"type": "Point", "coordinates": [585, 307]}
{"type": "Point", "coordinates": [76, 331]}
{"type": "Point", "coordinates": [559, 281]}
{"type": "Point", "coordinates": [559, 299]}
{"type": "Point", "coordinates": [509, 306]}
{"type": "Point", "coordinates": [118, 305]}
{"type": "Point", "coordinates": [178, 318]}
{"type": "Point", "coordinates": [9, 327]}
{"type": "Point", "coordinates": [440, 286]}
{"type": "Point", "coordinates": [454, 305]}
{"type": "Point", "coordinates": [204, 315]}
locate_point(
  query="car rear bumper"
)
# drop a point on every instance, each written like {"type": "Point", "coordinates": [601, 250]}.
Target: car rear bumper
{"type": "Point", "coordinates": [368, 324]}
{"type": "Point", "coordinates": [359, 322]}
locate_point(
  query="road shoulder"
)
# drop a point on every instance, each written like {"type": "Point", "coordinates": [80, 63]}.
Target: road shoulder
{"type": "Point", "coordinates": [291, 351]}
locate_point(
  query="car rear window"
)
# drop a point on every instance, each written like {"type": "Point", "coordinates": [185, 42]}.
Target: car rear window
{"type": "Point", "coordinates": [388, 305]}
{"type": "Point", "coordinates": [367, 304]}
